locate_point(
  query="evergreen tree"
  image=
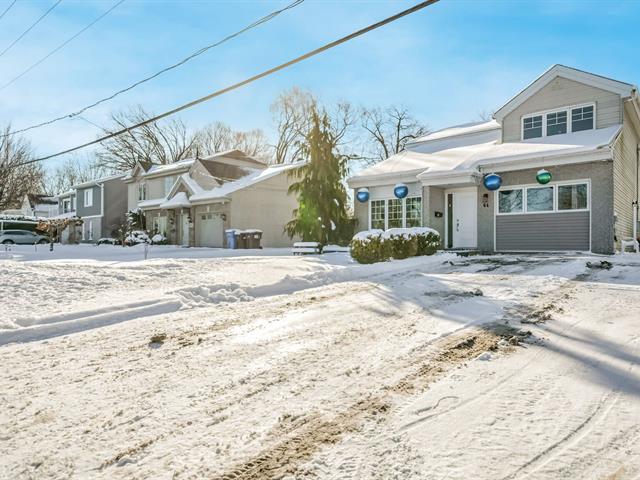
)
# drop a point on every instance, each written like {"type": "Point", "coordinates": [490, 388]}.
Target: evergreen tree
{"type": "Point", "coordinates": [321, 215]}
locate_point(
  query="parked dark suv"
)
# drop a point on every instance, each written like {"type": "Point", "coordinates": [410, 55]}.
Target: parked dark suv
{"type": "Point", "coordinates": [21, 237]}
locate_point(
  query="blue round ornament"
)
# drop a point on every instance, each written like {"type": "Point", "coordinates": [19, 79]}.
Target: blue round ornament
{"type": "Point", "coordinates": [401, 190]}
{"type": "Point", "coordinates": [492, 181]}
{"type": "Point", "coordinates": [363, 195]}
{"type": "Point", "coordinates": [543, 176]}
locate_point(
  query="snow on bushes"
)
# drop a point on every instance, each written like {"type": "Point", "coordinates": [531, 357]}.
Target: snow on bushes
{"type": "Point", "coordinates": [136, 237]}
{"type": "Point", "coordinates": [369, 247]}
{"type": "Point", "coordinates": [159, 239]}
{"type": "Point", "coordinates": [373, 246]}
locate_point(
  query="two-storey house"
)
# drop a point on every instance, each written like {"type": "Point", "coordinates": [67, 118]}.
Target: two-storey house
{"type": "Point", "coordinates": [101, 204]}
{"type": "Point", "coordinates": [562, 157]}
{"type": "Point", "coordinates": [192, 202]}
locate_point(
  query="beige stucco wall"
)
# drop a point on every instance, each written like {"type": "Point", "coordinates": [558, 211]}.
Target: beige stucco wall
{"type": "Point", "coordinates": [132, 196]}
{"type": "Point", "coordinates": [267, 207]}
{"type": "Point", "coordinates": [625, 177]}
{"type": "Point", "coordinates": [562, 92]}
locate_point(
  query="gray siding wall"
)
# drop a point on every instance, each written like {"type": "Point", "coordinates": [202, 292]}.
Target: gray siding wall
{"type": "Point", "coordinates": [94, 209]}
{"type": "Point", "coordinates": [625, 179]}
{"type": "Point", "coordinates": [563, 92]}
{"type": "Point", "coordinates": [115, 206]}
{"type": "Point", "coordinates": [433, 201]}
{"type": "Point", "coordinates": [601, 176]}
{"type": "Point", "coordinates": [544, 231]}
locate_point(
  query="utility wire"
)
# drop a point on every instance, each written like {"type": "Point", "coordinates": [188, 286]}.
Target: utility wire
{"type": "Point", "coordinates": [61, 46]}
{"type": "Point", "coordinates": [30, 28]}
{"type": "Point", "coordinates": [235, 86]}
{"type": "Point", "coordinates": [157, 74]}
{"type": "Point", "coordinates": [7, 9]}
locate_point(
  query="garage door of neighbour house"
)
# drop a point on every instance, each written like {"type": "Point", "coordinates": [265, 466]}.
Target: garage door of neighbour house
{"type": "Point", "coordinates": [543, 218]}
{"type": "Point", "coordinates": [211, 230]}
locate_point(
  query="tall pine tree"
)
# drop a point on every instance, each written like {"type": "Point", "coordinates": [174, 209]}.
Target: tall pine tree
{"type": "Point", "coordinates": [321, 215]}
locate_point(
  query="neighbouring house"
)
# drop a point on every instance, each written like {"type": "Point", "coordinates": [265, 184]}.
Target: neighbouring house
{"type": "Point", "coordinates": [192, 202]}
{"type": "Point", "coordinates": [101, 204]}
{"type": "Point", "coordinates": [581, 129]}
{"type": "Point", "coordinates": [35, 205]}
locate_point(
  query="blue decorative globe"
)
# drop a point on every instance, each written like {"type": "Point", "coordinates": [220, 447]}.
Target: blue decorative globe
{"type": "Point", "coordinates": [363, 195]}
{"type": "Point", "coordinates": [543, 176]}
{"type": "Point", "coordinates": [401, 190]}
{"type": "Point", "coordinates": [492, 181]}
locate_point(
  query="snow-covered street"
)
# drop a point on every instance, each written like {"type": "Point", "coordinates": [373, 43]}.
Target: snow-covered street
{"type": "Point", "coordinates": [197, 364]}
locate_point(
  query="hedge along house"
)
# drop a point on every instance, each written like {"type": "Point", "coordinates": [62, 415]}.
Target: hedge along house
{"type": "Point", "coordinates": [564, 154]}
{"type": "Point", "coordinates": [193, 202]}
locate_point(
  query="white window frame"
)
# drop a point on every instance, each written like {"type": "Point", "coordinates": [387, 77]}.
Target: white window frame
{"type": "Point", "coordinates": [66, 205]}
{"type": "Point", "coordinates": [404, 210]}
{"type": "Point", "coordinates": [142, 188]}
{"type": "Point", "coordinates": [544, 114]}
{"type": "Point", "coordinates": [90, 230]}
{"type": "Point", "coordinates": [555, 186]}
{"type": "Point", "coordinates": [168, 181]}
{"type": "Point", "coordinates": [87, 197]}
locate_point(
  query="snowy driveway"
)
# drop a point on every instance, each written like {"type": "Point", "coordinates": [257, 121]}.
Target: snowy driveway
{"type": "Point", "coordinates": [313, 367]}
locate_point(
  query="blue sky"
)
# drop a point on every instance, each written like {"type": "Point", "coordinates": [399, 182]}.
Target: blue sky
{"type": "Point", "coordinates": [447, 63]}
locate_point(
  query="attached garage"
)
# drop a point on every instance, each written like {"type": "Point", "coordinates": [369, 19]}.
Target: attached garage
{"type": "Point", "coordinates": [210, 230]}
{"type": "Point", "coordinates": [551, 217]}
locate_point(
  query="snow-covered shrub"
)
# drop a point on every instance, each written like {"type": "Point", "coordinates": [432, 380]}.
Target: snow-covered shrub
{"type": "Point", "coordinates": [136, 237]}
{"type": "Point", "coordinates": [108, 241]}
{"type": "Point", "coordinates": [428, 240]}
{"type": "Point", "coordinates": [401, 242]}
{"type": "Point", "coordinates": [159, 239]}
{"type": "Point", "coordinates": [369, 247]}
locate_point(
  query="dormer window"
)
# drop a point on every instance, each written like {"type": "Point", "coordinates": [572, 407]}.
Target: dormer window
{"type": "Point", "coordinates": [558, 122]}
{"type": "Point", "coordinates": [582, 118]}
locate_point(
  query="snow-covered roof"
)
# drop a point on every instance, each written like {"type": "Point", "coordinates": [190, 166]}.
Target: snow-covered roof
{"type": "Point", "coordinates": [63, 216]}
{"type": "Point", "coordinates": [179, 200]}
{"type": "Point", "coordinates": [98, 181]}
{"type": "Point", "coordinates": [458, 130]}
{"type": "Point", "coordinates": [252, 178]}
{"type": "Point", "coordinates": [169, 167]}
{"type": "Point", "coordinates": [472, 157]}
{"type": "Point", "coordinates": [154, 202]}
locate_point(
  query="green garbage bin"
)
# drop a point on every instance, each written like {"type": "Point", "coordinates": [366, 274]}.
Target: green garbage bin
{"type": "Point", "coordinates": [242, 239]}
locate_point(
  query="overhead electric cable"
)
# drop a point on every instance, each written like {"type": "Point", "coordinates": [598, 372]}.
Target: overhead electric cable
{"type": "Point", "coordinates": [157, 74]}
{"type": "Point", "coordinates": [7, 9]}
{"type": "Point", "coordinates": [22, 35]}
{"type": "Point", "coordinates": [235, 86]}
{"type": "Point", "coordinates": [61, 46]}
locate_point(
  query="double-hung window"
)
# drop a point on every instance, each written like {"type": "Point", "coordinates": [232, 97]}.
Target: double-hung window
{"type": "Point", "coordinates": [532, 127]}
{"type": "Point", "coordinates": [582, 118]}
{"type": "Point", "coordinates": [556, 123]}
{"type": "Point", "coordinates": [142, 191]}
{"type": "Point", "coordinates": [88, 197]}
{"type": "Point", "coordinates": [378, 214]}
{"type": "Point", "coordinates": [572, 197]}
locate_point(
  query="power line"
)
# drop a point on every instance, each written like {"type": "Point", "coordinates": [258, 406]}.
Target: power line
{"type": "Point", "coordinates": [30, 28]}
{"type": "Point", "coordinates": [157, 74]}
{"type": "Point", "coordinates": [61, 46]}
{"type": "Point", "coordinates": [7, 9]}
{"type": "Point", "coordinates": [247, 81]}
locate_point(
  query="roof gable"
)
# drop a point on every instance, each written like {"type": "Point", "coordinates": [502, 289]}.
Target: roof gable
{"type": "Point", "coordinates": [621, 88]}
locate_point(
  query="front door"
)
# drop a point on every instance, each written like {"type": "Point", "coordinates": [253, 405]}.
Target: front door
{"type": "Point", "coordinates": [185, 230]}
{"type": "Point", "coordinates": [462, 218]}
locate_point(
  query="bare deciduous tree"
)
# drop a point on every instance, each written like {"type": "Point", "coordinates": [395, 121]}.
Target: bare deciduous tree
{"type": "Point", "coordinates": [293, 111]}
{"type": "Point", "coordinates": [16, 180]}
{"type": "Point", "coordinates": [71, 172]}
{"type": "Point", "coordinates": [388, 130]}
{"type": "Point", "coordinates": [157, 143]}
{"type": "Point", "coordinates": [218, 137]}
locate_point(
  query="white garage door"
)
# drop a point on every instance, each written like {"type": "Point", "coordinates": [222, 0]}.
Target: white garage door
{"type": "Point", "coordinates": [211, 230]}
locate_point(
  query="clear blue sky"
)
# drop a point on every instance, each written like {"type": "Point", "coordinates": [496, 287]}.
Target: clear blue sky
{"type": "Point", "coordinates": [446, 63]}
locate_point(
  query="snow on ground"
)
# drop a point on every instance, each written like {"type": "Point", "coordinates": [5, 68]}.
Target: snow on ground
{"type": "Point", "coordinates": [273, 366]}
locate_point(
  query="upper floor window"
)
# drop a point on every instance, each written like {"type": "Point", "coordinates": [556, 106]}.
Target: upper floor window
{"type": "Point", "coordinates": [142, 191]}
{"type": "Point", "coordinates": [168, 183]}
{"type": "Point", "coordinates": [66, 205]}
{"type": "Point", "coordinates": [532, 127]}
{"type": "Point", "coordinates": [582, 118]}
{"type": "Point", "coordinates": [88, 197]}
{"type": "Point", "coordinates": [557, 122]}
